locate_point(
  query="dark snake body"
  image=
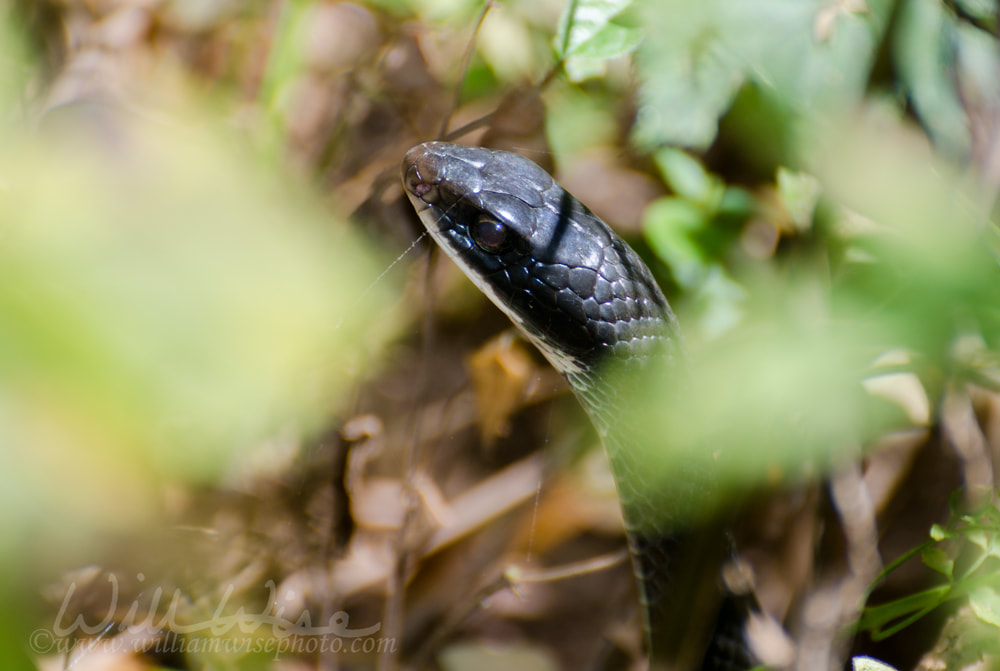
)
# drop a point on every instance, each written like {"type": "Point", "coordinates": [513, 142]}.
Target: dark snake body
{"type": "Point", "coordinates": [590, 304]}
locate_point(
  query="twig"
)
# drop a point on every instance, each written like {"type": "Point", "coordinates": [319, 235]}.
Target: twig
{"type": "Point", "coordinates": [511, 578]}
{"type": "Point", "coordinates": [464, 69]}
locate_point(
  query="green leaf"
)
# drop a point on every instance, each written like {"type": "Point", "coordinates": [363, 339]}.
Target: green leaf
{"type": "Point", "coordinates": [886, 619]}
{"type": "Point", "coordinates": [496, 657]}
{"type": "Point", "coordinates": [688, 178]}
{"type": "Point", "coordinates": [799, 193]}
{"type": "Point", "coordinates": [936, 559]}
{"type": "Point", "coordinates": [688, 76]}
{"type": "Point", "coordinates": [947, 67]}
{"type": "Point", "coordinates": [178, 304]}
{"type": "Point", "coordinates": [586, 38]}
{"type": "Point", "coordinates": [577, 122]}
{"type": "Point", "coordinates": [979, 537]}
{"type": "Point", "coordinates": [720, 302]}
{"type": "Point", "coordinates": [862, 663]}
{"type": "Point", "coordinates": [736, 203]}
{"type": "Point", "coordinates": [582, 21]}
{"type": "Point", "coordinates": [924, 55]}
{"type": "Point", "coordinates": [981, 10]}
{"type": "Point", "coordinates": [985, 603]}
{"type": "Point", "coordinates": [613, 41]}
{"type": "Point", "coordinates": [590, 58]}
{"type": "Point", "coordinates": [667, 224]}
{"type": "Point", "coordinates": [704, 50]}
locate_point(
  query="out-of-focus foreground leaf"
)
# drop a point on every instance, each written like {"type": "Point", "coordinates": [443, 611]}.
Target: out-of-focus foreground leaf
{"type": "Point", "coordinates": [786, 391]}
{"type": "Point", "coordinates": [166, 302]}
{"type": "Point", "coordinates": [946, 66]}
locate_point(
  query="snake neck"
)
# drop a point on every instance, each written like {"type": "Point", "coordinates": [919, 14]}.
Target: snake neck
{"type": "Point", "coordinates": [673, 552]}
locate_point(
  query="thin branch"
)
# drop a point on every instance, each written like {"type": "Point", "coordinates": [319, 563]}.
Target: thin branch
{"type": "Point", "coordinates": [464, 69]}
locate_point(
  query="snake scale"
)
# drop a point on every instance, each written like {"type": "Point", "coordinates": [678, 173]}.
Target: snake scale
{"type": "Point", "coordinates": [591, 306]}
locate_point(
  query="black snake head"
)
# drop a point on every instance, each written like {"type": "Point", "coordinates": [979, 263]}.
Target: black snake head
{"type": "Point", "coordinates": [576, 289]}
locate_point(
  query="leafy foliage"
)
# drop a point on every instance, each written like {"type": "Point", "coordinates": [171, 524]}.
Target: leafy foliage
{"type": "Point", "coordinates": [814, 180]}
{"type": "Point", "coordinates": [966, 552]}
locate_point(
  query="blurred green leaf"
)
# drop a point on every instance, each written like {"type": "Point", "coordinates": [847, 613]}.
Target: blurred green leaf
{"type": "Point", "coordinates": [799, 193]}
{"type": "Point", "coordinates": [924, 52]}
{"type": "Point", "coordinates": [688, 178]}
{"type": "Point", "coordinates": [285, 63]}
{"type": "Point", "coordinates": [982, 11]}
{"type": "Point", "coordinates": [497, 657]}
{"type": "Point", "coordinates": [505, 42]}
{"type": "Point", "coordinates": [576, 122]}
{"type": "Point", "coordinates": [985, 602]}
{"type": "Point", "coordinates": [928, 270]}
{"type": "Point", "coordinates": [166, 302]}
{"type": "Point", "coordinates": [936, 559]}
{"type": "Point", "coordinates": [668, 225]}
{"type": "Point", "coordinates": [15, 71]}
{"type": "Point", "coordinates": [437, 10]}
{"type": "Point", "coordinates": [688, 74]}
{"type": "Point", "coordinates": [949, 70]}
{"type": "Point", "coordinates": [719, 302]}
{"type": "Point", "coordinates": [736, 203]}
{"type": "Point", "coordinates": [774, 396]}
{"type": "Point", "coordinates": [704, 50]}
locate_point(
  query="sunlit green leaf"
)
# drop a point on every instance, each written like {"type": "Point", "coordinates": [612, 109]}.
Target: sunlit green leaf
{"type": "Point", "coordinates": [586, 38]}
{"type": "Point", "coordinates": [611, 42]}
{"type": "Point", "coordinates": [985, 602]}
{"type": "Point", "coordinates": [582, 21]}
{"type": "Point", "coordinates": [589, 60]}
{"type": "Point", "coordinates": [869, 664]}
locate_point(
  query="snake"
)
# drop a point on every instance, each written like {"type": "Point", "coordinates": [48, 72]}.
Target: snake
{"type": "Point", "coordinates": [592, 307]}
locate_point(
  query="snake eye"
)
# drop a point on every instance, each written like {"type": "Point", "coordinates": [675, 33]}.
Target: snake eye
{"type": "Point", "coordinates": [489, 234]}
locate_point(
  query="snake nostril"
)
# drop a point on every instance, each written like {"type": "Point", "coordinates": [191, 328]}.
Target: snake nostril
{"type": "Point", "coordinates": [416, 184]}
{"type": "Point", "coordinates": [426, 192]}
